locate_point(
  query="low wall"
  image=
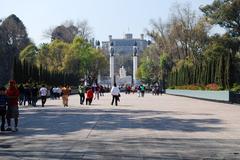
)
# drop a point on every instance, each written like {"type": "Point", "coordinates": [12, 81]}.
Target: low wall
{"type": "Point", "coordinates": [202, 94]}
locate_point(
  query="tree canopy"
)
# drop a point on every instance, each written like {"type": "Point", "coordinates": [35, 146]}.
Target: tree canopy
{"type": "Point", "coordinates": [226, 13]}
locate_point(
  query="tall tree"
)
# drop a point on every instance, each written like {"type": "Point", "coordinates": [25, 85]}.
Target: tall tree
{"type": "Point", "coordinates": [84, 30]}
{"type": "Point", "coordinates": [67, 31]}
{"type": "Point", "coordinates": [226, 13]}
{"type": "Point", "coordinates": [63, 33]}
{"type": "Point", "coordinates": [13, 39]}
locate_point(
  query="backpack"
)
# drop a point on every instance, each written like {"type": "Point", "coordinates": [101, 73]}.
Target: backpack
{"type": "Point", "coordinates": [81, 89]}
{"type": "Point", "coordinates": [142, 88]}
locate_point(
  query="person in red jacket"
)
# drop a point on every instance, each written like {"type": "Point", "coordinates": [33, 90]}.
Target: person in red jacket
{"type": "Point", "coordinates": [12, 111]}
{"type": "Point", "coordinates": [89, 96]}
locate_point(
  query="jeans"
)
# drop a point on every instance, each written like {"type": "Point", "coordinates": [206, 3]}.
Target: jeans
{"type": "Point", "coordinates": [44, 98]}
{"type": "Point", "coordinates": [82, 98]}
{"type": "Point", "coordinates": [114, 98]}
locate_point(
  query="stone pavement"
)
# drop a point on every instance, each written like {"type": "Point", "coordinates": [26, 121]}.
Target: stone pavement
{"type": "Point", "coordinates": [154, 127]}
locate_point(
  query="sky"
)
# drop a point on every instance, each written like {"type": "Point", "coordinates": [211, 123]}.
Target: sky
{"type": "Point", "coordinates": [106, 17]}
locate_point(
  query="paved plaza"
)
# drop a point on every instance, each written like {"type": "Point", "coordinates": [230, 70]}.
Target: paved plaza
{"type": "Point", "coordinates": [154, 127]}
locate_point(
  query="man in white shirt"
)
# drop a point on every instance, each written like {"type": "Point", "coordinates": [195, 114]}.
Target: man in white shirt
{"type": "Point", "coordinates": [115, 94]}
{"type": "Point", "coordinates": [43, 93]}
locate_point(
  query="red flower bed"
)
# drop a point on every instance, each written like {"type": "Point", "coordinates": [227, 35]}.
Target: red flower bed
{"type": "Point", "coordinates": [212, 86]}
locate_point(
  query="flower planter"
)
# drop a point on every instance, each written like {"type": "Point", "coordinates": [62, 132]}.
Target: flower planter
{"type": "Point", "coordinates": [202, 94]}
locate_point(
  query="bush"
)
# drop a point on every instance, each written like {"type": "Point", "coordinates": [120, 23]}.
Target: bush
{"type": "Point", "coordinates": [171, 87]}
{"type": "Point", "coordinates": [212, 86]}
{"type": "Point", "coordinates": [235, 88]}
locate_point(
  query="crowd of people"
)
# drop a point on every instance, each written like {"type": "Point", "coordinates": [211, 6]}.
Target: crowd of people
{"type": "Point", "coordinates": [24, 94]}
{"type": "Point", "coordinates": [141, 89]}
{"type": "Point", "coordinates": [28, 94]}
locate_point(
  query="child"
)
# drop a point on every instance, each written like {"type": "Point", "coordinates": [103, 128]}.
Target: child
{"type": "Point", "coordinates": [89, 96]}
{"type": "Point", "coordinates": [3, 104]}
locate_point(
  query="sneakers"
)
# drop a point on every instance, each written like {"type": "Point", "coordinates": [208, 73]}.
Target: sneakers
{"type": "Point", "coordinates": [15, 129]}
{"type": "Point", "coordinates": [9, 129]}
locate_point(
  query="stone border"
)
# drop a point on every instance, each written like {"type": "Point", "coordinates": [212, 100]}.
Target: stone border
{"type": "Point", "coordinates": [223, 96]}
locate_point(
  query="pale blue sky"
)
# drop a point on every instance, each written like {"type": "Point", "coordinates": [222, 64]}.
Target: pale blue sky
{"type": "Point", "coordinates": [106, 17]}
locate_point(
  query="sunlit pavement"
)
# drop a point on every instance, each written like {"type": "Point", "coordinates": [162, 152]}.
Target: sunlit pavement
{"type": "Point", "coordinates": [154, 127]}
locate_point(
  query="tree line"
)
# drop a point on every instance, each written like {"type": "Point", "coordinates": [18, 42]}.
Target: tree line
{"type": "Point", "coordinates": [69, 57]}
{"type": "Point", "coordinates": [184, 52]}
{"type": "Point", "coordinates": [24, 71]}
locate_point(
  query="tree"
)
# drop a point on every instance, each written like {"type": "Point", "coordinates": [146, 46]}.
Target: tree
{"type": "Point", "coordinates": [85, 59]}
{"type": "Point", "coordinates": [225, 13]}
{"type": "Point", "coordinates": [42, 56]}
{"type": "Point", "coordinates": [57, 51]}
{"type": "Point", "coordinates": [184, 35]}
{"type": "Point", "coordinates": [63, 33]}
{"type": "Point", "coordinates": [84, 30]}
{"type": "Point", "coordinates": [67, 31]}
{"type": "Point", "coordinates": [148, 71]}
{"type": "Point", "coordinates": [29, 54]}
{"type": "Point", "coordinates": [13, 39]}
{"type": "Point", "coordinates": [15, 32]}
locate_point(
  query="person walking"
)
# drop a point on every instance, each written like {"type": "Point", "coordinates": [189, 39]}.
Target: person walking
{"type": "Point", "coordinates": [12, 110]}
{"type": "Point", "coordinates": [3, 106]}
{"type": "Point", "coordinates": [81, 91]}
{"type": "Point", "coordinates": [139, 91]}
{"type": "Point", "coordinates": [43, 93]}
{"type": "Point", "coordinates": [54, 90]}
{"type": "Point", "coordinates": [142, 90]}
{"type": "Point", "coordinates": [89, 96]}
{"type": "Point", "coordinates": [66, 90]}
{"type": "Point", "coordinates": [115, 92]}
{"type": "Point", "coordinates": [59, 92]}
{"type": "Point", "coordinates": [97, 91]}
{"type": "Point", "coordinates": [34, 91]}
{"type": "Point", "coordinates": [22, 93]}
{"type": "Point", "coordinates": [27, 94]}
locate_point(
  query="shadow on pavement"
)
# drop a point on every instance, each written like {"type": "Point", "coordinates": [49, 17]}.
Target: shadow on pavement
{"type": "Point", "coordinates": [61, 121]}
{"type": "Point", "coordinates": [130, 148]}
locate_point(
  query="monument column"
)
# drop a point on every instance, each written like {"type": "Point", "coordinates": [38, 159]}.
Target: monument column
{"type": "Point", "coordinates": [112, 64]}
{"type": "Point", "coordinates": [135, 62]}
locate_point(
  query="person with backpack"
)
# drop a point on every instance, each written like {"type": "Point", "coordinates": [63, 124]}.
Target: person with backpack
{"type": "Point", "coordinates": [142, 90]}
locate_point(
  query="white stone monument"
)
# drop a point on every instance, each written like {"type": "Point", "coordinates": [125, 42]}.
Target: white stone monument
{"type": "Point", "coordinates": [122, 72]}
{"type": "Point", "coordinates": [135, 63]}
{"type": "Point", "coordinates": [112, 65]}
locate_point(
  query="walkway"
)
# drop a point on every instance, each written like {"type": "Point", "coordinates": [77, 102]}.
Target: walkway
{"type": "Point", "coordinates": [154, 127]}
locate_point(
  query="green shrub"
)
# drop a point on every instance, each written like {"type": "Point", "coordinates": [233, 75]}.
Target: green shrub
{"type": "Point", "coordinates": [235, 88]}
